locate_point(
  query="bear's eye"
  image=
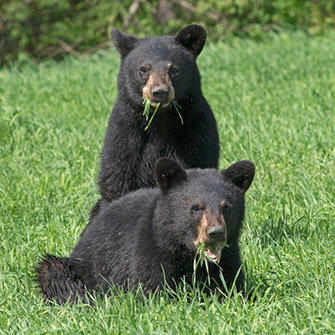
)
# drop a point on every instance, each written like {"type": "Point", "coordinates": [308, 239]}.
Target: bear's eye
{"type": "Point", "coordinates": [225, 207]}
{"type": "Point", "coordinates": [197, 208]}
{"type": "Point", "coordinates": [173, 71]}
{"type": "Point", "coordinates": [143, 70]}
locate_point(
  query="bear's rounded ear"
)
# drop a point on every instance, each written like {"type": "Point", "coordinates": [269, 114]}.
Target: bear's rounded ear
{"type": "Point", "coordinates": [169, 173]}
{"type": "Point", "coordinates": [240, 174]}
{"type": "Point", "coordinates": [193, 38]}
{"type": "Point", "coordinates": [123, 42]}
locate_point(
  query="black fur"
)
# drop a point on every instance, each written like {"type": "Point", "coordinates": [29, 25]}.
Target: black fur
{"type": "Point", "coordinates": [129, 152]}
{"type": "Point", "coordinates": [147, 236]}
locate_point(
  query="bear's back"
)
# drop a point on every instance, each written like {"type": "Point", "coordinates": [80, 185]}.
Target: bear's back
{"type": "Point", "coordinates": [109, 241]}
{"type": "Point", "coordinates": [121, 217]}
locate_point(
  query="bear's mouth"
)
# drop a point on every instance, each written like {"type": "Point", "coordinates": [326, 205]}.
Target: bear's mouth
{"type": "Point", "coordinates": [163, 103]}
{"type": "Point", "coordinates": [211, 237]}
{"type": "Point", "coordinates": [213, 252]}
{"type": "Point", "coordinates": [156, 103]}
{"type": "Point", "coordinates": [149, 111]}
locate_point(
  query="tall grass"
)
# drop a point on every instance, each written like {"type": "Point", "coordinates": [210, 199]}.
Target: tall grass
{"type": "Point", "coordinates": [274, 103]}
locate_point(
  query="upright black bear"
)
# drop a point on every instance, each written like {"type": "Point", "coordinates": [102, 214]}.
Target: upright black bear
{"type": "Point", "coordinates": [150, 236]}
{"type": "Point", "coordinates": [163, 70]}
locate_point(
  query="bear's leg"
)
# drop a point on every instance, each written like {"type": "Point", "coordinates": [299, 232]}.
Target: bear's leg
{"type": "Point", "coordinates": [58, 281]}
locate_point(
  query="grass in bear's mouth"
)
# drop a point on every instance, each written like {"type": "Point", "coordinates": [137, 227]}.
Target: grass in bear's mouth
{"type": "Point", "coordinates": [146, 112]}
{"type": "Point", "coordinates": [149, 119]}
{"type": "Point", "coordinates": [207, 252]}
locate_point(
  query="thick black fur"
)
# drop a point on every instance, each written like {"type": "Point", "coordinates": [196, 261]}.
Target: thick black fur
{"type": "Point", "coordinates": [147, 236]}
{"type": "Point", "coordinates": [129, 152]}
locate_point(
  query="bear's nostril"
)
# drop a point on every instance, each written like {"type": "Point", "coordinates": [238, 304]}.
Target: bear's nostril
{"type": "Point", "coordinates": [160, 93]}
{"type": "Point", "coordinates": [217, 234]}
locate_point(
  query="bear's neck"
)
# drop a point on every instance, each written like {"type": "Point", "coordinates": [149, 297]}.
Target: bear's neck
{"type": "Point", "coordinates": [176, 259]}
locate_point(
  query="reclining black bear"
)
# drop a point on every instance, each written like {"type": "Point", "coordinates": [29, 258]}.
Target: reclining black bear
{"type": "Point", "coordinates": [151, 236]}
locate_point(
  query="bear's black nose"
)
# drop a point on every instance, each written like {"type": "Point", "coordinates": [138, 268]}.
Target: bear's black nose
{"type": "Point", "coordinates": [160, 93]}
{"type": "Point", "coordinates": [217, 234]}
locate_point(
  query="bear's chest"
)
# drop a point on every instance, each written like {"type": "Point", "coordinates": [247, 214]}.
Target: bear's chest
{"type": "Point", "coordinates": [157, 144]}
{"type": "Point", "coordinates": [164, 138]}
{"type": "Point", "coordinates": [154, 148]}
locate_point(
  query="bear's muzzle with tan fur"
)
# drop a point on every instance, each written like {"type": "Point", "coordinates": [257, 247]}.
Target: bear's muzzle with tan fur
{"type": "Point", "coordinates": [212, 234]}
{"type": "Point", "coordinates": [159, 88]}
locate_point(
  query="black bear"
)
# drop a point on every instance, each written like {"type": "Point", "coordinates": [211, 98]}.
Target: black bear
{"type": "Point", "coordinates": [162, 70]}
{"type": "Point", "coordinates": [150, 237]}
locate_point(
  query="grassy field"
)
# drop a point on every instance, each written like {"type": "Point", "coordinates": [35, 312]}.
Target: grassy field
{"type": "Point", "coordinates": [275, 105]}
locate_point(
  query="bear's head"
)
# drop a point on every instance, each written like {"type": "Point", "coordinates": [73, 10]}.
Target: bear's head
{"type": "Point", "coordinates": [160, 69]}
{"type": "Point", "coordinates": [200, 207]}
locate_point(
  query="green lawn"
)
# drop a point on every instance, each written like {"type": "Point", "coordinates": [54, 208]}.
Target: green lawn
{"type": "Point", "coordinates": [275, 105]}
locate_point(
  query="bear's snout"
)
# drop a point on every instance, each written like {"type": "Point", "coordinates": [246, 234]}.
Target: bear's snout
{"type": "Point", "coordinates": [160, 93]}
{"type": "Point", "coordinates": [217, 234]}
{"type": "Point", "coordinates": [211, 228]}
{"type": "Point", "coordinates": [159, 89]}
{"type": "Point", "coordinates": [212, 235]}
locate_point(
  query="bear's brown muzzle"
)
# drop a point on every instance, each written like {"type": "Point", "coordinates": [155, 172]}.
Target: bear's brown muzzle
{"type": "Point", "coordinates": [211, 236]}
{"type": "Point", "coordinates": [211, 229]}
{"type": "Point", "coordinates": [159, 88]}
{"type": "Point", "coordinates": [217, 234]}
